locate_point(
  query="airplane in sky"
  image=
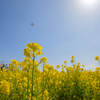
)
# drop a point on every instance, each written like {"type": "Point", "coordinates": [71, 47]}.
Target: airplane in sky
{"type": "Point", "coordinates": [32, 24]}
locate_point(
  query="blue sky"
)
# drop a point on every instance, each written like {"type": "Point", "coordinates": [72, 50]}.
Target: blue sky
{"type": "Point", "coordinates": [62, 27]}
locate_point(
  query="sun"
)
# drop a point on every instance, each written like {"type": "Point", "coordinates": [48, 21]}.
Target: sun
{"type": "Point", "coordinates": [89, 2]}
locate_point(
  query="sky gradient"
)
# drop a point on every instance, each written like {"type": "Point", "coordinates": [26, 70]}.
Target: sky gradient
{"type": "Point", "coordinates": [62, 27]}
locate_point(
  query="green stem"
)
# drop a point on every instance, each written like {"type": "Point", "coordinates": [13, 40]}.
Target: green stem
{"type": "Point", "coordinates": [43, 81]}
{"type": "Point", "coordinates": [32, 75]}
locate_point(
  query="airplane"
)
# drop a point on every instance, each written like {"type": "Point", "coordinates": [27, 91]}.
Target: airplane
{"type": "Point", "coordinates": [32, 24]}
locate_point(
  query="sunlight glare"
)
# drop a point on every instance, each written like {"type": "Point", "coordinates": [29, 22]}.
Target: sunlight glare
{"type": "Point", "coordinates": [89, 2]}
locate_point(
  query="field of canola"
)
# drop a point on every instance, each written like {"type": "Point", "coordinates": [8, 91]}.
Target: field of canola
{"type": "Point", "coordinates": [31, 84]}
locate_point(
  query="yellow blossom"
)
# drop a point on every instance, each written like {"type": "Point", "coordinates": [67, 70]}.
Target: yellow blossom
{"type": "Point", "coordinates": [5, 87]}
{"type": "Point", "coordinates": [97, 58]}
{"type": "Point", "coordinates": [65, 66]}
{"type": "Point", "coordinates": [74, 65]}
{"type": "Point", "coordinates": [65, 62]}
{"type": "Point", "coordinates": [72, 61]}
{"type": "Point", "coordinates": [33, 98]}
{"type": "Point", "coordinates": [58, 66]}
{"type": "Point", "coordinates": [40, 95]}
{"type": "Point", "coordinates": [39, 53]}
{"type": "Point", "coordinates": [62, 65]}
{"type": "Point", "coordinates": [72, 57]}
{"type": "Point", "coordinates": [78, 63]}
{"type": "Point", "coordinates": [46, 93]}
{"type": "Point", "coordinates": [44, 59]}
{"type": "Point", "coordinates": [83, 65]}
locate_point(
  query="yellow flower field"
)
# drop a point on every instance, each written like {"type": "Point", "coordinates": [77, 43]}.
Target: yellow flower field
{"type": "Point", "coordinates": [31, 84]}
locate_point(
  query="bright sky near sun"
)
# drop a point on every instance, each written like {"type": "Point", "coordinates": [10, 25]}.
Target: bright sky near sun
{"type": "Point", "coordinates": [89, 2]}
{"type": "Point", "coordinates": [62, 27]}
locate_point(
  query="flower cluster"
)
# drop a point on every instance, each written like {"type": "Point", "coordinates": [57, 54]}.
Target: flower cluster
{"type": "Point", "coordinates": [29, 83]}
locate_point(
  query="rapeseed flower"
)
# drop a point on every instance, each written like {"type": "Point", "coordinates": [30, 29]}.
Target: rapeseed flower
{"type": "Point", "coordinates": [97, 58]}
{"type": "Point", "coordinates": [72, 57]}
{"type": "Point", "coordinates": [33, 98]}
{"type": "Point", "coordinates": [65, 66]}
{"type": "Point", "coordinates": [1, 65]}
{"type": "Point", "coordinates": [4, 87]}
{"type": "Point", "coordinates": [38, 53]}
{"type": "Point", "coordinates": [74, 65]}
{"type": "Point", "coordinates": [45, 98]}
{"type": "Point", "coordinates": [43, 59]}
{"type": "Point", "coordinates": [58, 66]}
{"type": "Point", "coordinates": [83, 65]}
{"type": "Point", "coordinates": [62, 65]}
{"type": "Point", "coordinates": [17, 84]}
{"type": "Point", "coordinates": [65, 62]}
{"type": "Point", "coordinates": [46, 93]}
{"type": "Point", "coordinates": [72, 61]}
{"type": "Point", "coordinates": [78, 63]}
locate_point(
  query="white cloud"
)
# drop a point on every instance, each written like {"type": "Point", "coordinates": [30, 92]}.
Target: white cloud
{"type": "Point", "coordinates": [91, 67]}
